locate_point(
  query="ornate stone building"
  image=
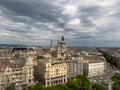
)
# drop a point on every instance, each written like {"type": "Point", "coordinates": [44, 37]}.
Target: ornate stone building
{"type": "Point", "coordinates": [51, 47]}
{"type": "Point", "coordinates": [61, 48]}
{"type": "Point", "coordinates": [52, 72]}
{"type": "Point", "coordinates": [20, 73]}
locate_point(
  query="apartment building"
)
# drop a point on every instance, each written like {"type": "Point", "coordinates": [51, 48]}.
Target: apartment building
{"type": "Point", "coordinates": [52, 72]}
{"type": "Point", "coordinates": [20, 73]}
{"type": "Point", "coordinates": [74, 68]}
{"type": "Point", "coordinates": [94, 67]}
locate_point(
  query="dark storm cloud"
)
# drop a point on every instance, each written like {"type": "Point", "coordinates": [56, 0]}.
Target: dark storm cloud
{"type": "Point", "coordinates": [89, 11]}
{"type": "Point", "coordinates": [39, 10]}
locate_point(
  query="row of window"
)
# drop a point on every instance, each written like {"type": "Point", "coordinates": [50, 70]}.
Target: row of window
{"type": "Point", "coordinates": [56, 82]}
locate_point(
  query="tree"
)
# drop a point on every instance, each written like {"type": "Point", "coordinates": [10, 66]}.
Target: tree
{"type": "Point", "coordinates": [62, 87]}
{"type": "Point", "coordinates": [38, 86]}
{"type": "Point", "coordinates": [110, 59]}
{"type": "Point", "coordinates": [116, 79]}
{"type": "Point", "coordinates": [81, 82]}
{"type": "Point", "coordinates": [10, 87]}
{"type": "Point", "coordinates": [40, 57]}
{"type": "Point", "coordinates": [116, 86]}
{"type": "Point", "coordinates": [98, 87]}
{"type": "Point", "coordinates": [72, 84]}
{"type": "Point", "coordinates": [51, 88]}
{"type": "Point", "coordinates": [83, 78]}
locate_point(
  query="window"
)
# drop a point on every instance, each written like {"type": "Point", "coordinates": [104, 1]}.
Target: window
{"type": "Point", "coordinates": [13, 79]}
{"type": "Point", "coordinates": [29, 80]}
{"type": "Point", "coordinates": [64, 80]}
{"type": "Point", "coordinates": [64, 67]}
{"type": "Point", "coordinates": [16, 83]}
{"type": "Point", "coordinates": [48, 83]}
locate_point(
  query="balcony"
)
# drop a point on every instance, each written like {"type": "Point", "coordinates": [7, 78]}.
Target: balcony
{"type": "Point", "coordinates": [18, 72]}
{"type": "Point", "coordinates": [24, 83]}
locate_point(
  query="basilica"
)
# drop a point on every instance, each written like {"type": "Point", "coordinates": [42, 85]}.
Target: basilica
{"type": "Point", "coordinates": [61, 50]}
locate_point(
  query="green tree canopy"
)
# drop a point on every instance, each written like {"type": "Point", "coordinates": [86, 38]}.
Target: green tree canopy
{"type": "Point", "coordinates": [98, 87]}
{"type": "Point", "coordinates": [80, 83]}
{"type": "Point", "coordinates": [10, 87]}
{"type": "Point", "coordinates": [40, 57]}
{"type": "Point", "coordinates": [116, 79]}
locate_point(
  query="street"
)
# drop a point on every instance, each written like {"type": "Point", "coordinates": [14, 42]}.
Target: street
{"type": "Point", "coordinates": [106, 78]}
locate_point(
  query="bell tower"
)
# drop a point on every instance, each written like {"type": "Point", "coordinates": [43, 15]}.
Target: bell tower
{"type": "Point", "coordinates": [62, 38]}
{"type": "Point", "coordinates": [61, 48]}
{"type": "Point", "coordinates": [51, 46]}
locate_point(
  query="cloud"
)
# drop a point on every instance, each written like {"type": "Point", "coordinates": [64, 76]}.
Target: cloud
{"type": "Point", "coordinates": [83, 23]}
{"type": "Point", "coordinates": [74, 22]}
{"type": "Point", "coordinates": [70, 9]}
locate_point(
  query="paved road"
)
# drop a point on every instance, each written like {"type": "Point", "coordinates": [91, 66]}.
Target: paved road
{"type": "Point", "coordinates": [109, 72]}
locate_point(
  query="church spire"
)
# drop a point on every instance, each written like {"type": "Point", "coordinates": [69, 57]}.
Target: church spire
{"type": "Point", "coordinates": [62, 38]}
{"type": "Point", "coordinates": [51, 44]}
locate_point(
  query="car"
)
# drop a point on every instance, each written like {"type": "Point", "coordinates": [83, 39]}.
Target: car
{"type": "Point", "coordinates": [101, 78]}
{"type": "Point", "coordinates": [95, 81]}
{"type": "Point", "coordinates": [116, 72]}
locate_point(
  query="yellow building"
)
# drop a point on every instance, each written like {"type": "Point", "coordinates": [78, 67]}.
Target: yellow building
{"type": "Point", "coordinates": [52, 72]}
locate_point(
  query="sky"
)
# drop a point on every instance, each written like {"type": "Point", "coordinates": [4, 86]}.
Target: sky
{"type": "Point", "coordinates": [92, 23]}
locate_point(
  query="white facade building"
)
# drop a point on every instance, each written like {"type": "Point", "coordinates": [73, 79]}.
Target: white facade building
{"type": "Point", "coordinates": [94, 68]}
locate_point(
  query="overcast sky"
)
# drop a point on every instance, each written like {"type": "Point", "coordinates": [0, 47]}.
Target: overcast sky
{"type": "Point", "coordinates": [81, 22]}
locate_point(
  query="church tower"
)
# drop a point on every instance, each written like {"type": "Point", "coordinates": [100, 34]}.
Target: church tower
{"type": "Point", "coordinates": [51, 46]}
{"type": "Point", "coordinates": [63, 45]}
{"type": "Point", "coordinates": [62, 38]}
{"type": "Point", "coordinates": [58, 49]}
{"type": "Point", "coordinates": [61, 48]}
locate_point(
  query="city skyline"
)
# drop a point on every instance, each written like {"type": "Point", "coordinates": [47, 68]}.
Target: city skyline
{"type": "Point", "coordinates": [91, 23]}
